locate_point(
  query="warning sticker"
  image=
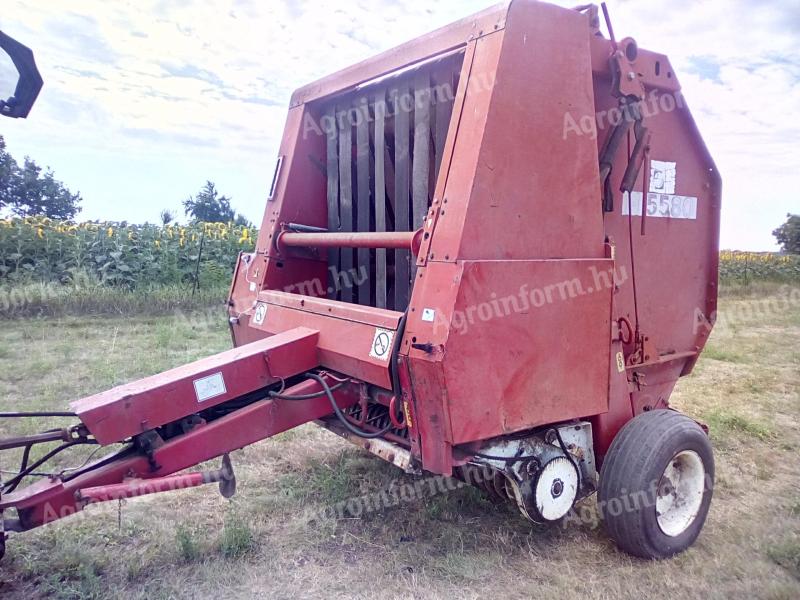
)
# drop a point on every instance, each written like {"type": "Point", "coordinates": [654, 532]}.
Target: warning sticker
{"type": "Point", "coordinates": [209, 387]}
{"type": "Point", "coordinates": [662, 177]}
{"type": "Point", "coordinates": [382, 344]}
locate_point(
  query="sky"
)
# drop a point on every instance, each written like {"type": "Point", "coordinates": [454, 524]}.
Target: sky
{"type": "Point", "coordinates": [146, 100]}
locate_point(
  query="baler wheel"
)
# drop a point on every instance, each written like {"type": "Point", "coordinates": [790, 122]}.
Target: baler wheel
{"type": "Point", "coordinates": [656, 484]}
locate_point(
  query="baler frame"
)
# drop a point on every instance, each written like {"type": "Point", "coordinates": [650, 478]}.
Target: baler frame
{"type": "Point", "coordinates": [429, 203]}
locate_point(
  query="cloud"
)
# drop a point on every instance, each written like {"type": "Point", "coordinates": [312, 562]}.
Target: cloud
{"type": "Point", "coordinates": [155, 84]}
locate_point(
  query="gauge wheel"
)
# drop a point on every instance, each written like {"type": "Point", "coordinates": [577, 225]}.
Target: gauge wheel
{"type": "Point", "coordinates": [656, 484]}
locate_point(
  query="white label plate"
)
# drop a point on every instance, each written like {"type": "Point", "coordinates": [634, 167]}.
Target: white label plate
{"type": "Point", "coordinates": [662, 177]}
{"type": "Point", "coordinates": [209, 387]}
{"type": "Point", "coordinates": [662, 205]}
{"type": "Point", "coordinates": [260, 313]}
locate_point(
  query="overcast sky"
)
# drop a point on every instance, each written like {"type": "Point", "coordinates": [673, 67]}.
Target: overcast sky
{"type": "Point", "coordinates": [144, 101]}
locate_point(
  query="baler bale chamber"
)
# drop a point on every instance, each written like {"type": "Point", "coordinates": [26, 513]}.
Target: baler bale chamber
{"type": "Point", "coordinates": [489, 253]}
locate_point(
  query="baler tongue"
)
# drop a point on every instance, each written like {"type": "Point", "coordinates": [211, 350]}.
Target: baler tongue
{"type": "Point", "coordinates": [143, 405]}
{"type": "Point", "coordinates": [175, 420]}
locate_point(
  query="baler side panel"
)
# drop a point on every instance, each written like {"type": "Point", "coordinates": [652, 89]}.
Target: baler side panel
{"type": "Point", "coordinates": [514, 171]}
{"type": "Point", "coordinates": [502, 350]}
{"type": "Point", "coordinates": [300, 197]}
{"type": "Point", "coordinates": [676, 259]}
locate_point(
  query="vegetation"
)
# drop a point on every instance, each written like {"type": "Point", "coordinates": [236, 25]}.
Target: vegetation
{"type": "Point", "coordinates": [210, 207]}
{"type": "Point", "coordinates": [46, 251]}
{"type": "Point", "coordinates": [746, 267]}
{"type": "Point", "coordinates": [788, 234]}
{"type": "Point", "coordinates": [27, 191]}
{"type": "Point", "coordinates": [194, 543]}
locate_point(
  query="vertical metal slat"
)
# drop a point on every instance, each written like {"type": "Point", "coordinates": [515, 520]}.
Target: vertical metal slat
{"type": "Point", "coordinates": [422, 134]}
{"type": "Point", "coordinates": [345, 199]}
{"type": "Point", "coordinates": [380, 197]}
{"type": "Point", "coordinates": [402, 159]}
{"type": "Point", "coordinates": [333, 199]}
{"type": "Point", "coordinates": [444, 110]}
{"type": "Point", "coordinates": [363, 200]}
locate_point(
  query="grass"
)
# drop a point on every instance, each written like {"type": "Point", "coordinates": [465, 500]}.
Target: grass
{"type": "Point", "coordinates": [725, 423]}
{"type": "Point", "coordinates": [237, 536]}
{"type": "Point", "coordinates": [188, 543]}
{"type": "Point", "coordinates": [275, 538]}
{"type": "Point", "coordinates": [787, 554]}
{"type": "Point", "coordinates": [51, 300]}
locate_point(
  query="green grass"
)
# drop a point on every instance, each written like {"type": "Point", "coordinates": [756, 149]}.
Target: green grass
{"type": "Point", "coordinates": [188, 543]}
{"type": "Point", "coordinates": [723, 423]}
{"type": "Point", "coordinates": [52, 300]}
{"type": "Point", "coordinates": [787, 555]}
{"type": "Point", "coordinates": [713, 352]}
{"type": "Point", "coordinates": [237, 536]}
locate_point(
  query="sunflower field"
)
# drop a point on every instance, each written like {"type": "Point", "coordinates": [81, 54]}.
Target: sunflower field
{"type": "Point", "coordinates": [118, 254]}
{"type": "Point", "coordinates": [746, 267]}
{"type": "Point", "coordinates": [128, 256]}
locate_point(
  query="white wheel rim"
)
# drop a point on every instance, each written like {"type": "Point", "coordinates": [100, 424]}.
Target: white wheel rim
{"type": "Point", "coordinates": [680, 493]}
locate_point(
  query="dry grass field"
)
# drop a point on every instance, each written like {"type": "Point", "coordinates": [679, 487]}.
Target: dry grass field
{"type": "Point", "coordinates": [195, 544]}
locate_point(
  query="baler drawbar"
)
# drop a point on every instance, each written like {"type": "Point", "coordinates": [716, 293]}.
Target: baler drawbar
{"type": "Point", "coordinates": [489, 253]}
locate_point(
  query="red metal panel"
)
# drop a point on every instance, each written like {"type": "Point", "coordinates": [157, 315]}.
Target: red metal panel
{"type": "Point", "coordinates": [378, 317]}
{"type": "Point", "coordinates": [135, 407]}
{"type": "Point", "coordinates": [509, 364]}
{"type": "Point", "coordinates": [346, 333]}
{"type": "Point", "coordinates": [677, 258]}
{"type": "Point", "coordinates": [432, 44]}
{"type": "Point", "coordinates": [513, 167]}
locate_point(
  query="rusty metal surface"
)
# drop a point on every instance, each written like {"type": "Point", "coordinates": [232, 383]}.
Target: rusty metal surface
{"type": "Point", "coordinates": [393, 453]}
{"type": "Point", "coordinates": [403, 240]}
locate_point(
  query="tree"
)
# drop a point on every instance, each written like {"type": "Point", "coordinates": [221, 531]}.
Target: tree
{"type": "Point", "coordinates": [209, 206]}
{"type": "Point", "coordinates": [27, 192]}
{"type": "Point", "coordinates": [242, 221]}
{"type": "Point", "coordinates": [167, 217]}
{"type": "Point", "coordinates": [788, 234]}
{"type": "Point", "coordinates": [8, 175]}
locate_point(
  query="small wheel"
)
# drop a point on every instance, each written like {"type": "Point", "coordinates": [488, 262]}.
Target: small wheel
{"type": "Point", "coordinates": [656, 484]}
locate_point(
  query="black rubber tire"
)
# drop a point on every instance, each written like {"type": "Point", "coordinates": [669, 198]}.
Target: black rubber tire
{"type": "Point", "coordinates": [632, 468]}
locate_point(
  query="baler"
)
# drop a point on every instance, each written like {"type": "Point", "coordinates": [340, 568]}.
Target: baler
{"type": "Point", "coordinates": [488, 253]}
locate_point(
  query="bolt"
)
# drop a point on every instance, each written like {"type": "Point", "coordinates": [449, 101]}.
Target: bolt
{"type": "Point", "coordinates": [631, 76]}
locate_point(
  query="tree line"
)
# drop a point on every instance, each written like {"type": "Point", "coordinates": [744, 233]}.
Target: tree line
{"type": "Point", "coordinates": [28, 190]}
